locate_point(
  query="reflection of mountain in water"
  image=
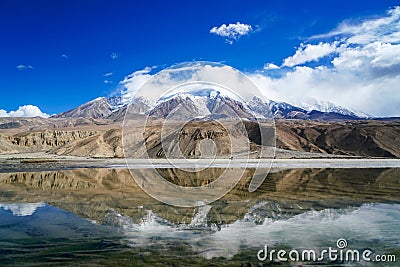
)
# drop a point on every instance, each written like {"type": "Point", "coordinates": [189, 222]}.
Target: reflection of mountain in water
{"type": "Point", "coordinates": [22, 209]}
{"type": "Point", "coordinates": [303, 208]}
{"type": "Point", "coordinates": [93, 193]}
{"type": "Point", "coordinates": [59, 236]}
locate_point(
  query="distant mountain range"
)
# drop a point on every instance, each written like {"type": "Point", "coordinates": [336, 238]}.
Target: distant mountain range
{"type": "Point", "coordinates": [94, 128]}
{"type": "Point", "coordinates": [210, 103]}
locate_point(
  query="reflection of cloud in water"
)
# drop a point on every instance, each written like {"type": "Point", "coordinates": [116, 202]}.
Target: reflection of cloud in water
{"type": "Point", "coordinates": [24, 209]}
{"type": "Point", "coordinates": [361, 226]}
{"type": "Point", "coordinates": [153, 226]}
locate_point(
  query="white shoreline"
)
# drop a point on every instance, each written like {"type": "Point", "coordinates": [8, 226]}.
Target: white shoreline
{"type": "Point", "coordinates": [41, 160]}
{"type": "Point", "coordinates": [263, 163]}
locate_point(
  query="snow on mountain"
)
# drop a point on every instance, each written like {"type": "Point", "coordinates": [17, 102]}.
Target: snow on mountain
{"type": "Point", "coordinates": [209, 93]}
{"type": "Point", "coordinates": [268, 108]}
{"type": "Point", "coordinates": [115, 102]}
{"type": "Point", "coordinates": [97, 108]}
{"type": "Point", "coordinates": [259, 107]}
{"type": "Point", "coordinates": [211, 102]}
{"type": "Point", "coordinates": [309, 104]}
{"type": "Point", "coordinates": [200, 103]}
{"type": "Point", "coordinates": [103, 107]}
{"type": "Point", "coordinates": [180, 107]}
{"type": "Point", "coordinates": [300, 109]}
{"type": "Point", "coordinates": [199, 99]}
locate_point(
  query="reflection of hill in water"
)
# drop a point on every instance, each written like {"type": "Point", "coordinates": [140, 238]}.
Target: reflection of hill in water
{"type": "Point", "coordinates": [94, 193]}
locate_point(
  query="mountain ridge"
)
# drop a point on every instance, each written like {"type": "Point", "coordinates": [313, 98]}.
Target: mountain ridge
{"type": "Point", "coordinates": [202, 103]}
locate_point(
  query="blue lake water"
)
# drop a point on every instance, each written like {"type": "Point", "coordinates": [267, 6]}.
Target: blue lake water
{"type": "Point", "coordinates": [100, 217]}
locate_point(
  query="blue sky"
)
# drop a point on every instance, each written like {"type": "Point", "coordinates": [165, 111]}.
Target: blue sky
{"type": "Point", "coordinates": [59, 54]}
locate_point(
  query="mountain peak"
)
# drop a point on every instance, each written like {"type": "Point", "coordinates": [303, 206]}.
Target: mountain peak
{"type": "Point", "coordinates": [209, 102]}
{"type": "Point", "coordinates": [311, 104]}
{"type": "Point", "coordinates": [100, 107]}
{"type": "Point", "coordinates": [205, 93]}
{"type": "Point", "coordinates": [201, 103]}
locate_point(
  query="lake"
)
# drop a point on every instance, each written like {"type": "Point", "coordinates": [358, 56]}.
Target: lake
{"type": "Point", "coordinates": [102, 217]}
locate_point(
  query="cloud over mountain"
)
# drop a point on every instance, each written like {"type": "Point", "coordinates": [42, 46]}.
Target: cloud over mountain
{"type": "Point", "coordinates": [309, 52]}
{"type": "Point", "coordinates": [357, 66]}
{"type": "Point", "coordinates": [362, 71]}
{"type": "Point", "coordinates": [132, 83]}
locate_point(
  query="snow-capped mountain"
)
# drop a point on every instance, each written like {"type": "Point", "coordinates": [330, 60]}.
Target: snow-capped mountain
{"type": "Point", "coordinates": [115, 102]}
{"type": "Point", "coordinates": [200, 103]}
{"type": "Point", "coordinates": [97, 108]}
{"type": "Point", "coordinates": [210, 103]}
{"type": "Point", "coordinates": [268, 108]}
{"type": "Point", "coordinates": [309, 104]}
{"type": "Point", "coordinates": [103, 107]}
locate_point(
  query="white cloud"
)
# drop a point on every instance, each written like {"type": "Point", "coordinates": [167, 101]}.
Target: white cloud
{"type": "Point", "coordinates": [364, 74]}
{"type": "Point", "coordinates": [351, 89]}
{"type": "Point", "coordinates": [362, 78]}
{"type": "Point", "coordinates": [270, 66]}
{"type": "Point", "coordinates": [232, 32]}
{"type": "Point", "coordinates": [382, 29]}
{"type": "Point", "coordinates": [24, 111]}
{"type": "Point", "coordinates": [373, 60]}
{"type": "Point", "coordinates": [108, 74]}
{"type": "Point", "coordinates": [309, 52]}
{"type": "Point", "coordinates": [24, 67]}
{"type": "Point", "coordinates": [107, 81]}
{"type": "Point", "coordinates": [133, 82]}
{"type": "Point", "coordinates": [114, 56]}
{"type": "Point", "coordinates": [64, 56]}
{"type": "Point", "coordinates": [171, 80]}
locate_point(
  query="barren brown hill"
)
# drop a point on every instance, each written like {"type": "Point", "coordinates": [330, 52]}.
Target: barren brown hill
{"type": "Point", "coordinates": [102, 138]}
{"type": "Point", "coordinates": [190, 140]}
{"type": "Point", "coordinates": [358, 138]}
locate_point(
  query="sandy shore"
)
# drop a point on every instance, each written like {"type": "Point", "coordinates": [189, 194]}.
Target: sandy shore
{"type": "Point", "coordinates": [262, 163]}
{"type": "Point", "coordinates": [43, 161]}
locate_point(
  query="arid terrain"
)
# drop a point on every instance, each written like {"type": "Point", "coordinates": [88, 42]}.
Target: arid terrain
{"type": "Point", "coordinates": [100, 138]}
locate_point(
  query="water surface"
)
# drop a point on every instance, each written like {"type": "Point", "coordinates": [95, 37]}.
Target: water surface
{"type": "Point", "coordinates": [100, 216]}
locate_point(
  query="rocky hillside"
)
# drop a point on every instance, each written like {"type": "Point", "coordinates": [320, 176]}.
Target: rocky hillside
{"type": "Point", "coordinates": [196, 139]}
{"type": "Point", "coordinates": [358, 138]}
{"type": "Point", "coordinates": [105, 144]}
{"type": "Point", "coordinates": [104, 108]}
{"type": "Point", "coordinates": [98, 142]}
{"type": "Point", "coordinates": [103, 139]}
{"type": "Point", "coordinates": [97, 108]}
